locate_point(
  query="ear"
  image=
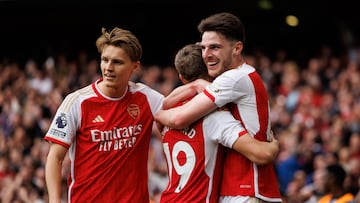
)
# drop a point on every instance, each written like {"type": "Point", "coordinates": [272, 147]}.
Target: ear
{"type": "Point", "coordinates": [182, 79]}
{"type": "Point", "coordinates": [239, 47]}
{"type": "Point", "coordinates": [136, 65]}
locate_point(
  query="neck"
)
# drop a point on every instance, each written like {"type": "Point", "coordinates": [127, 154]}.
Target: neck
{"type": "Point", "coordinates": [239, 61]}
{"type": "Point", "coordinates": [112, 91]}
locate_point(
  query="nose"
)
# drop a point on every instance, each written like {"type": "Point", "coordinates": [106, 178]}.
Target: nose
{"type": "Point", "coordinates": [108, 66]}
{"type": "Point", "coordinates": [205, 53]}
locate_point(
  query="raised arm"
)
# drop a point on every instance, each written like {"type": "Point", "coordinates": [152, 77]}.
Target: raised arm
{"type": "Point", "coordinates": [182, 116]}
{"type": "Point", "coordinates": [184, 92]}
{"type": "Point", "coordinates": [179, 94]}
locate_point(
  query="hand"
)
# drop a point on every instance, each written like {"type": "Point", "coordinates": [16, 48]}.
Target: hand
{"type": "Point", "coordinates": [275, 144]}
{"type": "Point", "coordinates": [201, 84]}
{"type": "Point", "coordinates": [159, 126]}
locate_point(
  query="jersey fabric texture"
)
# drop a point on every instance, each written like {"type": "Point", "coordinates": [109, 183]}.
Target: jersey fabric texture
{"type": "Point", "coordinates": [194, 157]}
{"type": "Point", "coordinates": [244, 88]}
{"type": "Point", "coordinates": [108, 141]}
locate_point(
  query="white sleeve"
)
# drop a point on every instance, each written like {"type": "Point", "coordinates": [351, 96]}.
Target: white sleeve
{"type": "Point", "coordinates": [66, 121]}
{"type": "Point", "coordinates": [228, 87]}
{"type": "Point", "coordinates": [221, 126]}
{"type": "Point", "coordinates": [154, 98]}
{"type": "Point", "coordinates": [156, 101]}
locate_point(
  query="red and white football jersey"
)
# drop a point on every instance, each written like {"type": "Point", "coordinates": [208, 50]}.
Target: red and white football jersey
{"type": "Point", "coordinates": [245, 89]}
{"type": "Point", "coordinates": [108, 141]}
{"type": "Point", "coordinates": [194, 157]}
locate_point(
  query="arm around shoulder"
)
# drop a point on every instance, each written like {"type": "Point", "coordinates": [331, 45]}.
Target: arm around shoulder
{"type": "Point", "coordinates": [183, 116]}
{"type": "Point", "coordinates": [184, 92]}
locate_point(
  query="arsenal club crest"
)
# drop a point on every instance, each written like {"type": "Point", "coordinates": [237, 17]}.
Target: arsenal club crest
{"type": "Point", "coordinates": [133, 110]}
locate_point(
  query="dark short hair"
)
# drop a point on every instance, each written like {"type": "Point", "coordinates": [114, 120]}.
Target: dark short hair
{"type": "Point", "coordinates": [225, 23]}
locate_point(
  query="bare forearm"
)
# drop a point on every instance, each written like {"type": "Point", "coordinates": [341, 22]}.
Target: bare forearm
{"type": "Point", "coordinates": [257, 151]}
{"type": "Point", "coordinates": [184, 92]}
{"type": "Point", "coordinates": [53, 175]}
{"type": "Point", "coordinates": [178, 95]}
{"type": "Point", "coordinates": [53, 180]}
{"type": "Point", "coordinates": [183, 116]}
{"type": "Point", "coordinates": [172, 118]}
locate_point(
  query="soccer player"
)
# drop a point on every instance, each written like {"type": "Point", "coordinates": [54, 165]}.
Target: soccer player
{"type": "Point", "coordinates": [239, 84]}
{"type": "Point", "coordinates": [105, 128]}
{"type": "Point", "coordinates": [193, 154]}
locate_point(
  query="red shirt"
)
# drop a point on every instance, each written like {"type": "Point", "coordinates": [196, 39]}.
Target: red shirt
{"type": "Point", "coordinates": [241, 177]}
{"type": "Point", "coordinates": [194, 157]}
{"type": "Point", "coordinates": [108, 141]}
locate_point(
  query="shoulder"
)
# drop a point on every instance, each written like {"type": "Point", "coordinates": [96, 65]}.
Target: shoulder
{"type": "Point", "coordinates": [133, 87]}
{"type": "Point", "coordinates": [141, 87]}
{"type": "Point", "coordinates": [137, 85]}
{"type": "Point", "coordinates": [80, 93]}
{"type": "Point", "coordinates": [246, 66]}
{"type": "Point", "coordinates": [78, 96]}
{"type": "Point", "coordinates": [236, 73]}
{"type": "Point", "coordinates": [244, 69]}
{"type": "Point", "coordinates": [219, 116]}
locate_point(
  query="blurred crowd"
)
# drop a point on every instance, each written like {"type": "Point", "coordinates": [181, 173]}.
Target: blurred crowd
{"type": "Point", "coordinates": [315, 114]}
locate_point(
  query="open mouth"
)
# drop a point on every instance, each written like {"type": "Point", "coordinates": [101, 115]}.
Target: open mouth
{"type": "Point", "coordinates": [211, 64]}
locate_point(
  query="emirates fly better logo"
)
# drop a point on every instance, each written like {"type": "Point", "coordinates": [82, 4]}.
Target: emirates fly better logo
{"type": "Point", "coordinates": [133, 110]}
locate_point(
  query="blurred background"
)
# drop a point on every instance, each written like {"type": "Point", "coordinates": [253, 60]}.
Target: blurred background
{"type": "Point", "coordinates": [307, 52]}
{"type": "Point", "coordinates": [40, 28]}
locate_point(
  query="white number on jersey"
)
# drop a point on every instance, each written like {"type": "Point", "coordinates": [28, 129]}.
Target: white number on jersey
{"type": "Point", "coordinates": [185, 170]}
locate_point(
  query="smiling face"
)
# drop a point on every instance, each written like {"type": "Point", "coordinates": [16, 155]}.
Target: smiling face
{"type": "Point", "coordinates": [219, 53]}
{"type": "Point", "coordinates": [116, 67]}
